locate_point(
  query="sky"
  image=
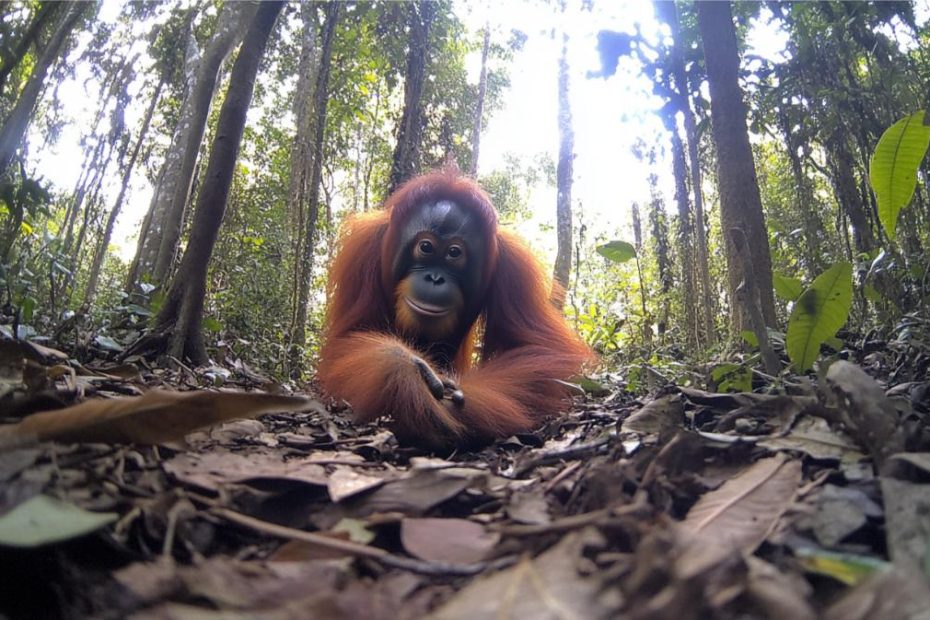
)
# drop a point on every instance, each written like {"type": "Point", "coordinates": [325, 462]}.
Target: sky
{"type": "Point", "coordinates": [608, 114]}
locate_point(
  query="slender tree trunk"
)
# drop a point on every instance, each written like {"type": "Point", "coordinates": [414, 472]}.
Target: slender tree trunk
{"type": "Point", "coordinates": [740, 201]}
{"type": "Point", "coordinates": [302, 154]}
{"type": "Point", "coordinates": [406, 162]}
{"type": "Point", "coordinates": [14, 126]}
{"type": "Point", "coordinates": [841, 164]}
{"type": "Point", "coordinates": [706, 309]}
{"type": "Point", "coordinates": [298, 329]}
{"type": "Point", "coordinates": [182, 314]}
{"type": "Point", "coordinates": [804, 195]}
{"type": "Point", "coordinates": [370, 162]}
{"type": "Point", "coordinates": [193, 127]}
{"type": "Point", "coordinates": [101, 250]}
{"type": "Point", "coordinates": [157, 251]}
{"type": "Point", "coordinates": [479, 108]}
{"type": "Point", "coordinates": [564, 177]}
{"type": "Point", "coordinates": [685, 238]}
{"type": "Point", "coordinates": [44, 13]}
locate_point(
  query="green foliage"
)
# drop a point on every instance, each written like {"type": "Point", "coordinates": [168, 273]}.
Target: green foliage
{"type": "Point", "coordinates": [786, 287]}
{"type": "Point", "coordinates": [894, 165]}
{"type": "Point", "coordinates": [42, 520]}
{"type": "Point", "coordinates": [617, 251]}
{"type": "Point", "coordinates": [732, 377]}
{"type": "Point", "coordinates": [819, 312]}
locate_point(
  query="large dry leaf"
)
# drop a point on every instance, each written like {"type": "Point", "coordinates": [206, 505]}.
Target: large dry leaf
{"type": "Point", "coordinates": [212, 470]}
{"type": "Point", "coordinates": [155, 417]}
{"type": "Point", "coordinates": [742, 512]}
{"type": "Point", "coordinates": [657, 416]}
{"type": "Point", "coordinates": [447, 540]}
{"type": "Point", "coordinates": [813, 436]}
{"type": "Point", "coordinates": [547, 587]}
{"type": "Point", "coordinates": [898, 594]}
{"type": "Point", "coordinates": [345, 482]}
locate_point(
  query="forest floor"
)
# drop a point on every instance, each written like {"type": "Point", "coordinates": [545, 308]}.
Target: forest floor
{"type": "Point", "coordinates": [808, 501]}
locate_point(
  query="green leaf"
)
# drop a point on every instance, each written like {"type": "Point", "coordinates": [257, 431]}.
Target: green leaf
{"type": "Point", "coordinates": [844, 567]}
{"type": "Point", "coordinates": [617, 251]}
{"type": "Point", "coordinates": [834, 343]}
{"type": "Point", "coordinates": [28, 309]}
{"type": "Point", "coordinates": [42, 520]}
{"type": "Point", "coordinates": [893, 169]}
{"type": "Point", "coordinates": [212, 325]}
{"type": "Point", "coordinates": [786, 287]}
{"type": "Point", "coordinates": [818, 313]}
{"type": "Point", "coordinates": [750, 338]}
{"type": "Point", "coordinates": [732, 378]}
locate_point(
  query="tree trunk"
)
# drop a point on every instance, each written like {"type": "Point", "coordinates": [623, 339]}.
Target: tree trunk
{"type": "Point", "coordinates": [157, 251]}
{"type": "Point", "coordinates": [406, 162]}
{"type": "Point", "coordinates": [740, 202]}
{"type": "Point", "coordinates": [43, 14]}
{"type": "Point", "coordinates": [706, 309]}
{"type": "Point", "coordinates": [564, 177]}
{"type": "Point", "coordinates": [685, 238]}
{"type": "Point", "coordinates": [841, 164]}
{"type": "Point", "coordinates": [14, 126]}
{"type": "Point", "coordinates": [182, 314]}
{"type": "Point", "coordinates": [479, 108]}
{"type": "Point", "coordinates": [298, 329]}
{"type": "Point", "coordinates": [101, 251]}
{"type": "Point", "coordinates": [302, 153]}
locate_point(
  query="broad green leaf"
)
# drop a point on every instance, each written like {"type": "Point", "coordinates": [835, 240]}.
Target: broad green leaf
{"type": "Point", "coordinates": [617, 251]}
{"type": "Point", "coordinates": [818, 313]}
{"type": "Point", "coordinates": [750, 338]}
{"type": "Point", "coordinates": [732, 378]}
{"type": "Point", "coordinates": [893, 169]}
{"type": "Point", "coordinates": [834, 343]}
{"type": "Point", "coordinates": [42, 520]}
{"type": "Point", "coordinates": [212, 325]}
{"type": "Point", "coordinates": [786, 287]}
{"type": "Point", "coordinates": [872, 294]}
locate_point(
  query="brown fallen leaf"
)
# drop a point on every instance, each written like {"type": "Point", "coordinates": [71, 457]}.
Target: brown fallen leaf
{"type": "Point", "coordinates": [740, 514]}
{"type": "Point", "coordinates": [661, 414]}
{"type": "Point", "coordinates": [155, 417]}
{"type": "Point", "coordinates": [544, 588]}
{"type": "Point", "coordinates": [447, 540]}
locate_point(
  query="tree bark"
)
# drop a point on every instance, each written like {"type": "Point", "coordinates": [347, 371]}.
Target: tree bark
{"type": "Point", "coordinates": [669, 14]}
{"type": "Point", "coordinates": [182, 314]}
{"type": "Point", "coordinates": [157, 251]}
{"type": "Point", "coordinates": [101, 251]}
{"type": "Point", "coordinates": [564, 177]}
{"type": "Point", "coordinates": [479, 108]}
{"type": "Point", "coordinates": [43, 14]}
{"type": "Point", "coordinates": [740, 201]}
{"type": "Point", "coordinates": [14, 127]}
{"type": "Point", "coordinates": [685, 237]}
{"type": "Point", "coordinates": [406, 161]}
{"type": "Point", "coordinates": [298, 329]}
{"type": "Point", "coordinates": [302, 154]}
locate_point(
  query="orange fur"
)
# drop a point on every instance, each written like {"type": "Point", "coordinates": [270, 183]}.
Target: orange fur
{"type": "Point", "coordinates": [527, 346]}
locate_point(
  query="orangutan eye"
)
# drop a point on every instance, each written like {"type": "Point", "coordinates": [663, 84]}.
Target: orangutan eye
{"type": "Point", "coordinates": [426, 247]}
{"type": "Point", "coordinates": [454, 251]}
